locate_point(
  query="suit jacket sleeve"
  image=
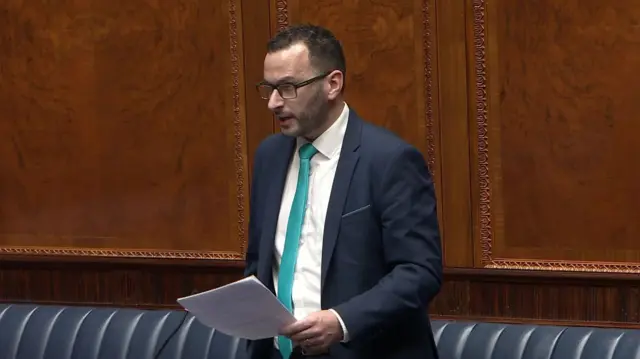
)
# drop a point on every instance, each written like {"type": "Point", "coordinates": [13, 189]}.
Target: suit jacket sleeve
{"type": "Point", "coordinates": [254, 349]}
{"type": "Point", "coordinates": [253, 245]}
{"type": "Point", "coordinates": [406, 204]}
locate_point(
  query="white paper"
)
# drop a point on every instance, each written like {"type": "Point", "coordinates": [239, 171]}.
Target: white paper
{"type": "Point", "coordinates": [244, 309]}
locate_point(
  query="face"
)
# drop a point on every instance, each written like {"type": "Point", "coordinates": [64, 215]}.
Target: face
{"type": "Point", "coordinates": [307, 114]}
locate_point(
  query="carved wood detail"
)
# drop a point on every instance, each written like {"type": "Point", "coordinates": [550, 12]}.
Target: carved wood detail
{"type": "Point", "coordinates": [481, 118]}
{"type": "Point", "coordinates": [566, 266]}
{"type": "Point", "coordinates": [120, 253]}
{"type": "Point", "coordinates": [239, 133]}
{"type": "Point", "coordinates": [282, 14]}
{"type": "Point", "coordinates": [428, 83]}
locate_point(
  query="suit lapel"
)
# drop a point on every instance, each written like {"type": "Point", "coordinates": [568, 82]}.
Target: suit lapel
{"type": "Point", "coordinates": [346, 164]}
{"type": "Point", "coordinates": [279, 166]}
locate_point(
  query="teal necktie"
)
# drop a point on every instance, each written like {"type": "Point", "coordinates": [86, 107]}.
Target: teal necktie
{"type": "Point", "coordinates": [294, 228]}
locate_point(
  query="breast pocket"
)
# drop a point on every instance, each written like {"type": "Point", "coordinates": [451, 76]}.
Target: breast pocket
{"type": "Point", "coordinates": [358, 241]}
{"type": "Point", "coordinates": [355, 212]}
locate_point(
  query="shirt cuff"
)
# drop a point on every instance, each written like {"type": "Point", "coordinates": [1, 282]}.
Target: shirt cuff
{"type": "Point", "coordinates": [345, 333]}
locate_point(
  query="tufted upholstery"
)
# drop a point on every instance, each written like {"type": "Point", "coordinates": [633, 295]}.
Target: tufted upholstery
{"type": "Point", "coordinates": [57, 332]}
{"type": "Point", "coordinates": [468, 340]}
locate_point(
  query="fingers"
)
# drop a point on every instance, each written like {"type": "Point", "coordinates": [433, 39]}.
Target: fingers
{"type": "Point", "coordinates": [313, 334]}
{"type": "Point", "coordinates": [296, 328]}
{"type": "Point", "coordinates": [313, 342]}
{"type": "Point", "coordinates": [306, 335]}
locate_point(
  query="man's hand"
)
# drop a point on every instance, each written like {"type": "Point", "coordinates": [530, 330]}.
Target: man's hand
{"type": "Point", "coordinates": [315, 333]}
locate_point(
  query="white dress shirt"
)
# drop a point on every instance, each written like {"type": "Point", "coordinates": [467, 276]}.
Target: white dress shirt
{"type": "Point", "coordinates": [306, 284]}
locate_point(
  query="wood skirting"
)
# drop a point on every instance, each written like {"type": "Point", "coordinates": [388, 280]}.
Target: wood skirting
{"type": "Point", "coordinates": [566, 298]}
{"type": "Point", "coordinates": [468, 294]}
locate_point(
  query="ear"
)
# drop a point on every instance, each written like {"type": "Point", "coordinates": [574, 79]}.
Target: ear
{"type": "Point", "coordinates": [335, 82]}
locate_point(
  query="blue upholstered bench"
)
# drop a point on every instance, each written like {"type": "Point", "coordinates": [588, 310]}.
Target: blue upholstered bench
{"type": "Point", "coordinates": [58, 332]}
{"type": "Point", "coordinates": [474, 340]}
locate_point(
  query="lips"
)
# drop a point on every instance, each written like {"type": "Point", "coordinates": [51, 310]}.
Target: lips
{"type": "Point", "coordinates": [284, 118]}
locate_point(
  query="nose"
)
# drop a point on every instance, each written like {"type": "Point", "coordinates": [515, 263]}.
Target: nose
{"type": "Point", "coordinates": [275, 100]}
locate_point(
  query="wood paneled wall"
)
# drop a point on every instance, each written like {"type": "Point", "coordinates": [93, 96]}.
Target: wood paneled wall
{"type": "Point", "coordinates": [129, 131]}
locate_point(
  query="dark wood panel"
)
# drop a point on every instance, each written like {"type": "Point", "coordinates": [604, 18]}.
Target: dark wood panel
{"type": "Point", "coordinates": [108, 282]}
{"type": "Point", "coordinates": [454, 197]}
{"type": "Point", "coordinates": [126, 127]}
{"type": "Point", "coordinates": [256, 33]}
{"type": "Point", "coordinates": [124, 174]}
{"type": "Point", "coordinates": [540, 297]}
{"type": "Point", "coordinates": [567, 128]}
{"type": "Point", "coordinates": [554, 139]}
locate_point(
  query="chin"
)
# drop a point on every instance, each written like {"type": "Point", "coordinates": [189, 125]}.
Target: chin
{"type": "Point", "coordinates": [292, 132]}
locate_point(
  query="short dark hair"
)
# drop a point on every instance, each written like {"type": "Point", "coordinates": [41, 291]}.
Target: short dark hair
{"type": "Point", "coordinates": [325, 51]}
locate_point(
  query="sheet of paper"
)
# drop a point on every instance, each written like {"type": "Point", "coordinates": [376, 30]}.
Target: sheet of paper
{"type": "Point", "coordinates": [244, 309]}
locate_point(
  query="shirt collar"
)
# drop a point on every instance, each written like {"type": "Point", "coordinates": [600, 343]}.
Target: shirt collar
{"type": "Point", "coordinates": [330, 142]}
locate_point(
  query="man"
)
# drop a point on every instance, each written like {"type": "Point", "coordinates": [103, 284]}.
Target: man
{"type": "Point", "coordinates": [343, 225]}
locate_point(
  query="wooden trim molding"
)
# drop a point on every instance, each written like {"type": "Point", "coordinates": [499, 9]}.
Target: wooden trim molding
{"type": "Point", "coordinates": [282, 14]}
{"type": "Point", "coordinates": [573, 266]}
{"type": "Point", "coordinates": [481, 103]}
{"type": "Point", "coordinates": [239, 125]}
{"type": "Point", "coordinates": [427, 45]}
{"type": "Point", "coordinates": [118, 253]}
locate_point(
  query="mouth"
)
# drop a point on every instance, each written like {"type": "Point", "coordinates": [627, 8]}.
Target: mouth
{"type": "Point", "coordinates": [285, 119]}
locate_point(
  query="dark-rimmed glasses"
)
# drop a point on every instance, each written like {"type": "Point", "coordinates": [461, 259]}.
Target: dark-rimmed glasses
{"type": "Point", "coordinates": [287, 90]}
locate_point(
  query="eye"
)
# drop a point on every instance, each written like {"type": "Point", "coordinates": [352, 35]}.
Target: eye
{"type": "Point", "coordinates": [287, 91]}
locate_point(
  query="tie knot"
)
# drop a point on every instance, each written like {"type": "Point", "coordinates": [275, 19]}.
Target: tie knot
{"type": "Point", "coordinates": [307, 151]}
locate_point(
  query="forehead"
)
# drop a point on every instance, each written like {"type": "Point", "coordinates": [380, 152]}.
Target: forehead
{"type": "Point", "coordinates": [290, 62]}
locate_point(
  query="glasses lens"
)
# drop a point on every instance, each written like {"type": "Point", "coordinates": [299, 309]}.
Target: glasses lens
{"type": "Point", "coordinates": [287, 91]}
{"type": "Point", "coordinates": [265, 91]}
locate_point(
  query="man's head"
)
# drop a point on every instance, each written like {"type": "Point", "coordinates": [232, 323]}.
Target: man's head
{"type": "Point", "coordinates": [307, 66]}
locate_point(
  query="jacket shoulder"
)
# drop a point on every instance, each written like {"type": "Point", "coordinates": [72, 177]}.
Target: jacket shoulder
{"type": "Point", "coordinates": [270, 142]}
{"type": "Point", "coordinates": [380, 141]}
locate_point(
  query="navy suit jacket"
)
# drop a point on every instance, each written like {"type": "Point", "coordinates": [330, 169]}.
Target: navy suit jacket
{"type": "Point", "coordinates": [381, 255]}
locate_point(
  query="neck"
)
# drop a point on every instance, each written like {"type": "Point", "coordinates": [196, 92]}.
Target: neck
{"type": "Point", "coordinates": [335, 110]}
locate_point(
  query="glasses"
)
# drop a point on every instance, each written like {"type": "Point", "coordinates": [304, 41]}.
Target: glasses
{"type": "Point", "coordinates": [287, 90]}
